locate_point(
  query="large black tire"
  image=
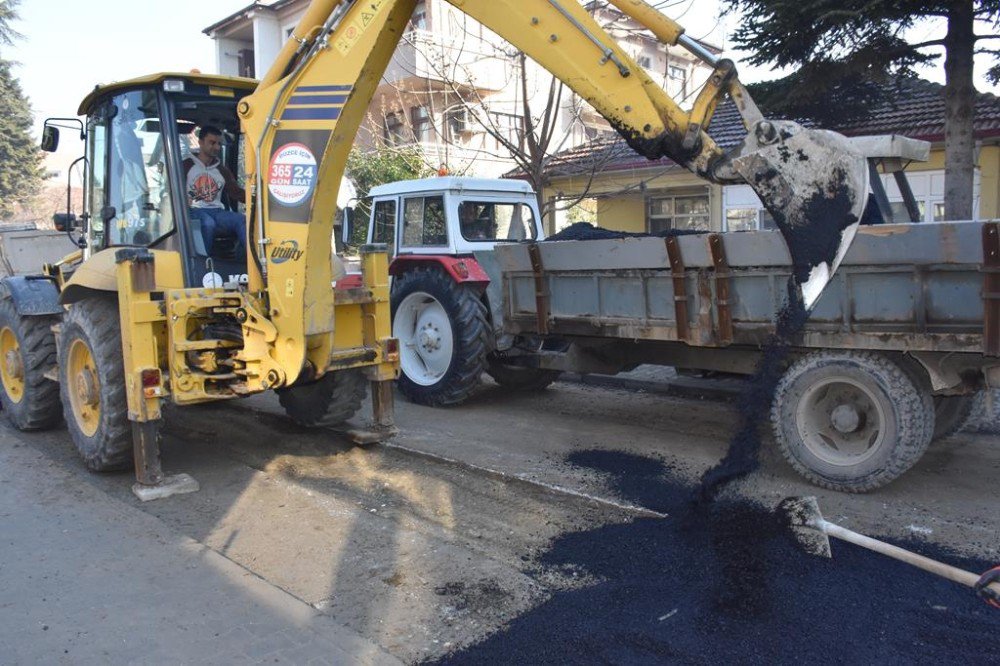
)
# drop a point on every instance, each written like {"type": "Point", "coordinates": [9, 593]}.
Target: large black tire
{"type": "Point", "coordinates": [851, 421]}
{"type": "Point", "coordinates": [519, 378]}
{"type": "Point", "coordinates": [985, 417]}
{"type": "Point", "coordinates": [951, 414]}
{"type": "Point", "coordinates": [27, 352]}
{"type": "Point", "coordinates": [92, 384]}
{"type": "Point", "coordinates": [446, 313]}
{"type": "Point", "coordinates": [336, 397]}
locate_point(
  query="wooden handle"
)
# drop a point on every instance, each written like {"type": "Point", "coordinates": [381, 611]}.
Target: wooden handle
{"type": "Point", "coordinates": [933, 566]}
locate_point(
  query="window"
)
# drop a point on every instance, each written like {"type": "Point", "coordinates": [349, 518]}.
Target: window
{"type": "Point", "coordinates": [424, 222]}
{"type": "Point", "coordinates": [459, 121]}
{"type": "Point", "coordinates": [97, 134]}
{"type": "Point", "coordinates": [491, 221]}
{"type": "Point", "coordinates": [136, 200]}
{"type": "Point", "coordinates": [643, 61]}
{"type": "Point", "coordinates": [384, 223]}
{"type": "Point", "coordinates": [508, 126]}
{"type": "Point", "coordinates": [418, 21]}
{"type": "Point", "coordinates": [676, 81]}
{"type": "Point", "coordinates": [420, 121]}
{"type": "Point", "coordinates": [394, 134]}
{"type": "Point", "coordinates": [741, 219]}
{"type": "Point", "coordinates": [681, 211]}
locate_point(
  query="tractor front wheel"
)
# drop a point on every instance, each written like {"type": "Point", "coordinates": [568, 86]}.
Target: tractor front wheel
{"type": "Point", "coordinates": [92, 384]}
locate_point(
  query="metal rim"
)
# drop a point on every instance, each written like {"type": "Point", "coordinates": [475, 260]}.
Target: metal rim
{"type": "Point", "coordinates": [11, 365]}
{"type": "Point", "coordinates": [426, 341]}
{"type": "Point", "coordinates": [841, 421]}
{"type": "Point", "coordinates": [84, 387]}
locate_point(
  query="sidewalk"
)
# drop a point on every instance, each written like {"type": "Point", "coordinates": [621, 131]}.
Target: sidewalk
{"type": "Point", "coordinates": [86, 578]}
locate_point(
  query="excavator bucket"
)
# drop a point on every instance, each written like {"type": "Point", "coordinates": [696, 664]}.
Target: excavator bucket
{"type": "Point", "coordinates": [815, 185]}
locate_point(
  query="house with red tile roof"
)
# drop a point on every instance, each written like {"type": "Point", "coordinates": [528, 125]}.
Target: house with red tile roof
{"type": "Point", "coordinates": [606, 183]}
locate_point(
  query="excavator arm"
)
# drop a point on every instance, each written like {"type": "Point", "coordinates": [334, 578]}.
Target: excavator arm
{"type": "Point", "coordinates": [301, 121]}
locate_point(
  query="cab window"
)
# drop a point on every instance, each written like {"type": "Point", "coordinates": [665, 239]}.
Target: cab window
{"type": "Point", "coordinates": [137, 208]}
{"type": "Point", "coordinates": [424, 222]}
{"type": "Point", "coordinates": [384, 223]}
{"type": "Point", "coordinates": [493, 221]}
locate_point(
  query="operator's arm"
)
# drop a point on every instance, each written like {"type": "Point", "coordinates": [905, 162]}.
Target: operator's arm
{"type": "Point", "coordinates": [233, 189]}
{"type": "Point", "coordinates": [187, 164]}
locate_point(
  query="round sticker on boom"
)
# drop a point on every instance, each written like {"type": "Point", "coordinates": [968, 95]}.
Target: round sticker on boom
{"type": "Point", "coordinates": [292, 174]}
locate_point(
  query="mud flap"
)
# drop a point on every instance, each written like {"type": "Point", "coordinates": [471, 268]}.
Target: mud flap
{"type": "Point", "coordinates": [815, 185]}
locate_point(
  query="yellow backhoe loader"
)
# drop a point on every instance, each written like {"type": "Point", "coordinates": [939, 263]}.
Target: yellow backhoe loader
{"type": "Point", "coordinates": [155, 307]}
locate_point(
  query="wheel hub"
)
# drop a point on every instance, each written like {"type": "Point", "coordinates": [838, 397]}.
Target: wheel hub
{"type": "Point", "coordinates": [845, 418]}
{"type": "Point", "coordinates": [429, 338]}
{"type": "Point", "coordinates": [15, 367]}
{"type": "Point", "coordinates": [86, 387]}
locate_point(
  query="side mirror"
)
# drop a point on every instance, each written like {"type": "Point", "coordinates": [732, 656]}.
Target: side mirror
{"type": "Point", "coordinates": [347, 228]}
{"type": "Point", "coordinates": [50, 138]}
{"type": "Point", "coordinates": [64, 221]}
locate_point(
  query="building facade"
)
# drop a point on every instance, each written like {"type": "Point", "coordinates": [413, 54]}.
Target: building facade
{"type": "Point", "coordinates": [454, 88]}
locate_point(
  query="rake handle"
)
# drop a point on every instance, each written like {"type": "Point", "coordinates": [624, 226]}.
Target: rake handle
{"type": "Point", "coordinates": [933, 566]}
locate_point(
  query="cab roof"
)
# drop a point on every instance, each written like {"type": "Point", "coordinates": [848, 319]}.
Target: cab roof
{"type": "Point", "coordinates": [100, 91]}
{"type": "Point", "coordinates": [452, 184]}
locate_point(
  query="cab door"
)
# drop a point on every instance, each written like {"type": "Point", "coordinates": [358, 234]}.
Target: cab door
{"type": "Point", "coordinates": [128, 192]}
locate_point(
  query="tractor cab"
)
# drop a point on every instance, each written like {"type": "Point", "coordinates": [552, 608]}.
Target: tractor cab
{"type": "Point", "coordinates": [141, 136]}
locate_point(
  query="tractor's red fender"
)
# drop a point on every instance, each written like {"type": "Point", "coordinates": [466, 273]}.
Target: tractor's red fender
{"type": "Point", "coordinates": [464, 270]}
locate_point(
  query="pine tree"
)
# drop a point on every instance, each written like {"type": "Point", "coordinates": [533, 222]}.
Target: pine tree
{"type": "Point", "coordinates": [846, 50]}
{"type": "Point", "coordinates": [20, 159]}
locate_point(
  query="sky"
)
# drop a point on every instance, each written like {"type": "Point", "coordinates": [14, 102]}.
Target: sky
{"type": "Point", "coordinates": [69, 47]}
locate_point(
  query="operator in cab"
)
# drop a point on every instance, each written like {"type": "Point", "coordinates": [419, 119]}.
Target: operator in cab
{"type": "Point", "coordinates": [206, 178]}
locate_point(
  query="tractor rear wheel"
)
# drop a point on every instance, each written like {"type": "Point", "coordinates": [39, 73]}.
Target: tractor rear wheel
{"type": "Point", "coordinates": [27, 351]}
{"type": "Point", "coordinates": [92, 384]}
{"type": "Point", "coordinates": [443, 337]}
{"type": "Point", "coordinates": [330, 401]}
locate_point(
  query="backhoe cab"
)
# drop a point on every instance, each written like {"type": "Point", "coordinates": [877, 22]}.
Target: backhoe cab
{"type": "Point", "coordinates": [156, 307]}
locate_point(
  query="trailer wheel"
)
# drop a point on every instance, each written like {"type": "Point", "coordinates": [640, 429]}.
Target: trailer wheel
{"type": "Point", "coordinates": [92, 384]}
{"type": "Point", "coordinates": [985, 413]}
{"type": "Point", "coordinates": [443, 337]}
{"type": "Point", "coordinates": [27, 351]}
{"type": "Point", "coordinates": [330, 401]}
{"type": "Point", "coordinates": [519, 378]}
{"type": "Point", "coordinates": [851, 421]}
{"type": "Point", "coordinates": [951, 414]}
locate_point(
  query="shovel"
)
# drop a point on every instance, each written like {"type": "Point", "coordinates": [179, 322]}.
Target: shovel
{"type": "Point", "coordinates": [813, 533]}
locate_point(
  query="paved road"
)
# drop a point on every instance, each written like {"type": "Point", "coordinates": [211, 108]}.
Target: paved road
{"type": "Point", "coordinates": [89, 578]}
{"type": "Point", "coordinates": [419, 547]}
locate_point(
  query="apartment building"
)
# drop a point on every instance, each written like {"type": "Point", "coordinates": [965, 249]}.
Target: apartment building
{"type": "Point", "coordinates": [455, 88]}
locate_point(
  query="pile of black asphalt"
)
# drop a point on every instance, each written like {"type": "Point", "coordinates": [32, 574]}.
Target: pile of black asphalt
{"type": "Point", "coordinates": [723, 578]}
{"type": "Point", "coordinates": [587, 231]}
{"type": "Point", "coordinates": [726, 581]}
